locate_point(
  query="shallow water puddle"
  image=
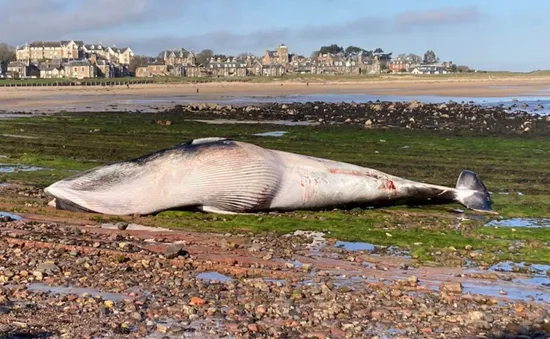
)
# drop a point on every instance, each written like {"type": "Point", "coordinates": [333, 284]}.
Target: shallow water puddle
{"type": "Point", "coordinates": [9, 215]}
{"type": "Point", "coordinates": [8, 168]}
{"type": "Point", "coordinates": [271, 134]}
{"type": "Point", "coordinates": [40, 287]}
{"type": "Point", "coordinates": [520, 222]}
{"type": "Point", "coordinates": [137, 227]}
{"type": "Point", "coordinates": [517, 292]}
{"type": "Point", "coordinates": [272, 122]}
{"type": "Point", "coordinates": [354, 246]}
{"type": "Point", "coordinates": [509, 266]}
{"type": "Point", "coordinates": [214, 276]}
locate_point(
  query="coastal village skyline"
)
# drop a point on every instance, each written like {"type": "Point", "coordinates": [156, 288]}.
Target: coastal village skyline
{"type": "Point", "coordinates": [76, 59]}
{"type": "Point", "coordinates": [477, 34]}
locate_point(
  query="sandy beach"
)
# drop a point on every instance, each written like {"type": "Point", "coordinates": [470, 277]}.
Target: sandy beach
{"type": "Point", "coordinates": [55, 98]}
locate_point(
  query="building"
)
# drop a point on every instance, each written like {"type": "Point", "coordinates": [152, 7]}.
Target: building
{"type": "Point", "coordinates": [152, 70]}
{"type": "Point", "coordinates": [225, 69]}
{"type": "Point", "coordinates": [51, 71]}
{"type": "Point", "coordinates": [279, 56]}
{"type": "Point", "coordinates": [273, 70]}
{"type": "Point", "coordinates": [399, 65]}
{"type": "Point", "coordinates": [181, 57]}
{"type": "Point", "coordinates": [79, 69]}
{"type": "Point", "coordinates": [17, 69]}
{"type": "Point", "coordinates": [114, 55]}
{"type": "Point", "coordinates": [47, 50]}
{"type": "Point", "coordinates": [429, 69]}
{"type": "Point", "coordinates": [304, 67]}
{"type": "Point", "coordinates": [104, 69]}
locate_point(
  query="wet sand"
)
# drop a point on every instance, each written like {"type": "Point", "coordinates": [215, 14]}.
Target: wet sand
{"type": "Point", "coordinates": [166, 95]}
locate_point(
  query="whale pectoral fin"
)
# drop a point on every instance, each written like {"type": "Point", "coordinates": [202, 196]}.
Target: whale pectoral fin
{"type": "Point", "coordinates": [210, 209]}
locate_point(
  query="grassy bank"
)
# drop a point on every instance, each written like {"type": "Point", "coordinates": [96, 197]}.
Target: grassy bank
{"type": "Point", "coordinates": [288, 77]}
{"type": "Point", "coordinates": [514, 164]}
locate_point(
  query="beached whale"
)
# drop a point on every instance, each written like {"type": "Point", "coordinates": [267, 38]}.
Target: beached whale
{"type": "Point", "coordinates": [225, 176]}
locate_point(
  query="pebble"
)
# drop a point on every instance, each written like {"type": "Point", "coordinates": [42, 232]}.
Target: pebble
{"type": "Point", "coordinates": [451, 287]}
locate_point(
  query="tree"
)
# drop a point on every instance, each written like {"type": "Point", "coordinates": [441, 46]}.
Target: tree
{"type": "Point", "coordinates": [222, 57]}
{"type": "Point", "coordinates": [352, 50]}
{"type": "Point", "coordinates": [367, 54]}
{"type": "Point", "coordinates": [315, 55]}
{"type": "Point", "coordinates": [332, 49]}
{"type": "Point", "coordinates": [414, 59]}
{"type": "Point", "coordinates": [402, 56]}
{"type": "Point", "coordinates": [204, 56]}
{"type": "Point", "coordinates": [379, 50]}
{"type": "Point", "coordinates": [430, 57]}
{"type": "Point", "coordinates": [463, 68]}
{"type": "Point", "coordinates": [7, 53]}
{"type": "Point", "coordinates": [138, 61]}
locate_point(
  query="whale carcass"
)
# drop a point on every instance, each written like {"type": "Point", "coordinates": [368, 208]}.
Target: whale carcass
{"type": "Point", "coordinates": [225, 176]}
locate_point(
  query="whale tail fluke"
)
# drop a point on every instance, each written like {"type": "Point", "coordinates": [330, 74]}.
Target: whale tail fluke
{"type": "Point", "coordinates": [472, 193]}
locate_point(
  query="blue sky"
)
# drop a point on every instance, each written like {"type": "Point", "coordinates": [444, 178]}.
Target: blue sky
{"type": "Point", "coordinates": [488, 34]}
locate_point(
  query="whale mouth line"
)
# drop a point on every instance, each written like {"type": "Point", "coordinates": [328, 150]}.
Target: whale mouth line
{"type": "Point", "coordinates": [64, 204]}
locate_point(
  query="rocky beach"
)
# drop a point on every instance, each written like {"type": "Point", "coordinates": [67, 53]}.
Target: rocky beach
{"type": "Point", "coordinates": [68, 278]}
{"type": "Point", "coordinates": [364, 273]}
{"type": "Point", "coordinates": [450, 116]}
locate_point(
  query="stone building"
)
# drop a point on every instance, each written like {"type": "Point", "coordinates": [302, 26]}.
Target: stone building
{"type": "Point", "coordinates": [279, 56]}
{"type": "Point", "coordinates": [47, 50]}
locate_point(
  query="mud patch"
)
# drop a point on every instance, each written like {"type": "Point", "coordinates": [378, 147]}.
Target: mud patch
{"type": "Point", "coordinates": [136, 227]}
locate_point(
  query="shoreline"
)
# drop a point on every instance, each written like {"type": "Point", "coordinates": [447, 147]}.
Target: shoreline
{"type": "Point", "coordinates": [145, 96]}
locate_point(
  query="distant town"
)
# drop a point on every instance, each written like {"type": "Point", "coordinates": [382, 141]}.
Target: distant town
{"type": "Point", "coordinates": [74, 59]}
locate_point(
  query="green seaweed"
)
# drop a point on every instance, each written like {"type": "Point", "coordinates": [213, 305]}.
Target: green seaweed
{"type": "Point", "coordinates": [67, 143]}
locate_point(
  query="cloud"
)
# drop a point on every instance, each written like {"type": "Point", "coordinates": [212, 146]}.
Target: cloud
{"type": "Point", "coordinates": [107, 20]}
{"type": "Point", "coordinates": [30, 20]}
{"type": "Point", "coordinates": [438, 17]}
{"type": "Point", "coordinates": [366, 26]}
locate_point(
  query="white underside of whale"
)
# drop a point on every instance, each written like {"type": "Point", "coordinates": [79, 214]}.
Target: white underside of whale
{"type": "Point", "coordinates": [244, 178]}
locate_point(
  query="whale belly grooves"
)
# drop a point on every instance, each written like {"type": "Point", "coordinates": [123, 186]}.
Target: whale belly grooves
{"type": "Point", "coordinates": [242, 179]}
{"type": "Point", "coordinates": [213, 173]}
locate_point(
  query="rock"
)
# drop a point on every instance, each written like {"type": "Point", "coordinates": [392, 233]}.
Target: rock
{"type": "Point", "coordinates": [121, 225]}
{"type": "Point", "coordinates": [174, 251]}
{"type": "Point", "coordinates": [37, 275]}
{"type": "Point", "coordinates": [196, 301]}
{"type": "Point", "coordinates": [451, 287]}
{"type": "Point", "coordinates": [162, 328]}
{"type": "Point", "coordinates": [476, 315]}
{"type": "Point", "coordinates": [48, 268]}
{"type": "Point", "coordinates": [368, 123]}
{"type": "Point", "coordinates": [337, 333]}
